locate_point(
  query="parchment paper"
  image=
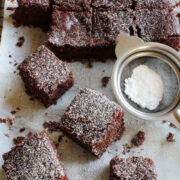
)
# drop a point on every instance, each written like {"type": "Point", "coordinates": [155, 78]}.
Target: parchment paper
{"type": "Point", "coordinates": [79, 164]}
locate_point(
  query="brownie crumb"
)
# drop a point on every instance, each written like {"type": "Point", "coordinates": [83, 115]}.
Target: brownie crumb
{"type": "Point", "coordinates": [7, 135]}
{"type": "Point", "coordinates": [139, 139]}
{"type": "Point", "coordinates": [13, 112]}
{"type": "Point", "coordinates": [60, 138]}
{"type": "Point", "coordinates": [105, 81]}
{"type": "Point", "coordinates": [172, 125]}
{"type": "Point", "coordinates": [126, 148]}
{"type": "Point", "coordinates": [164, 121]}
{"type": "Point", "coordinates": [22, 130]}
{"type": "Point", "coordinates": [15, 64]}
{"type": "Point", "coordinates": [9, 121]}
{"type": "Point", "coordinates": [10, 9]}
{"type": "Point", "coordinates": [170, 137]}
{"type": "Point", "coordinates": [18, 140]}
{"type": "Point", "coordinates": [10, 56]}
{"type": "Point", "coordinates": [18, 109]}
{"type": "Point", "coordinates": [20, 41]}
{"type": "Point", "coordinates": [51, 126]}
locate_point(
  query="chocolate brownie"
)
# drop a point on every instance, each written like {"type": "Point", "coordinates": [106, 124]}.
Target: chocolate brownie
{"type": "Point", "coordinates": [172, 41]}
{"type": "Point", "coordinates": [93, 121]}
{"type": "Point", "coordinates": [34, 157]}
{"type": "Point", "coordinates": [112, 4]}
{"type": "Point", "coordinates": [45, 76]}
{"type": "Point", "coordinates": [73, 5]}
{"type": "Point", "coordinates": [106, 27]}
{"type": "Point", "coordinates": [33, 13]}
{"type": "Point", "coordinates": [153, 25]}
{"type": "Point", "coordinates": [70, 33]}
{"type": "Point", "coordinates": [154, 4]}
{"type": "Point", "coordinates": [136, 168]}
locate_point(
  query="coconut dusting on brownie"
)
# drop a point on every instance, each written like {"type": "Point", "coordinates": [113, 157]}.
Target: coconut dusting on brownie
{"type": "Point", "coordinates": [90, 118]}
{"type": "Point", "coordinates": [34, 157]}
{"type": "Point", "coordinates": [136, 168]}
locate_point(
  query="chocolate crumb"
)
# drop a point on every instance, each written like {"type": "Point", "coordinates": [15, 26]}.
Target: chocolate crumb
{"type": "Point", "coordinates": [60, 138]}
{"type": "Point", "coordinates": [56, 144]}
{"type": "Point", "coordinates": [139, 139]}
{"type": "Point", "coordinates": [13, 112]}
{"type": "Point", "coordinates": [11, 8]}
{"type": "Point", "coordinates": [126, 148]}
{"type": "Point", "coordinates": [51, 126]}
{"type": "Point", "coordinates": [20, 41]}
{"type": "Point", "coordinates": [7, 135]}
{"type": "Point", "coordinates": [18, 108]}
{"type": "Point", "coordinates": [10, 62]}
{"type": "Point", "coordinates": [15, 64]}
{"type": "Point", "coordinates": [164, 121]}
{"type": "Point", "coordinates": [18, 140]}
{"type": "Point", "coordinates": [22, 130]}
{"type": "Point", "coordinates": [170, 137]}
{"type": "Point", "coordinates": [9, 121]}
{"type": "Point", "coordinates": [105, 81]}
{"type": "Point", "coordinates": [10, 56]}
{"type": "Point", "coordinates": [172, 125]}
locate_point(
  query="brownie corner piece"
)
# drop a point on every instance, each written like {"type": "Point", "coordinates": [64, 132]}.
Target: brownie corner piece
{"type": "Point", "coordinates": [32, 13]}
{"type": "Point", "coordinates": [70, 32]}
{"type": "Point", "coordinates": [156, 24]}
{"type": "Point", "coordinates": [137, 168]}
{"type": "Point", "coordinates": [45, 76]}
{"type": "Point", "coordinates": [106, 26]}
{"type": "Point", "coordinates": [93, 121]}
{"type": "Point", "coordinates": [34, 158]}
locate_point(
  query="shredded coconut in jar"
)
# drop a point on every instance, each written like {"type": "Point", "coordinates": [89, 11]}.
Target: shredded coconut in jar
{"type": "Point", "coordinates": [145, 87]}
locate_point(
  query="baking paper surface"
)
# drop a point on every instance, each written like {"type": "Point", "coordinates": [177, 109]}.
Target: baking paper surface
{"type": "Point", "coordinates": [79, 164]}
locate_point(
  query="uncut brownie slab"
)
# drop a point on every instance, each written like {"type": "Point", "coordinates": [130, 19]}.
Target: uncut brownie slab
{"type": "Point", "coordinates": [112, 4]}
{"type": "Point", "coordinates": [33, 158]}
{"type": "Point", "coordinates": [155, 24]}
{"type": "Point", "coordinates": [33, 13]}
{"type": "Point", "coordinates": [73, 5]}
{"type": "Point", "coordinates": [135, 168]}
{"type": "Point", "coordinates": [93, 121]}
{"type": "Point", "coordinates": [154, 4]}
{"type": "Point", "coordinates": [70, 33]}
{"type": "Point", "coordinates": [106, 27]}
{"type": "Point", "coordinates": [45, 76]}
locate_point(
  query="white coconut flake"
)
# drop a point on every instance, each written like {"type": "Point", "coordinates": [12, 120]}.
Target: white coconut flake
{"type": "Point", "coordinates": [145, 87]}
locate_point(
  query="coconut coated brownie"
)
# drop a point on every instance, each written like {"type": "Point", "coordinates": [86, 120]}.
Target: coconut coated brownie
{"type": "Point", "coordinates": [136, 168]}
{"type": "Point", "coordinates": [33, 13]}
{"type": "Point", "coordinates": [153, 25]}
{"type": "Point", "coordinates": [112, 4]}
{"type": "Point", "coordinates": [93, 121]}
{"type": "Point", "coordinates": [70, 33]}
{"type": "Point", "coordinates": [34, 157]}
{"type": "Point", "coordinates": [45, 76]}
{"type": "Point", "coordinates": [73, 5]}
{"type": "Point", "coordinates": [106, 26]}
{"type": "Point", "coordinates": [154, 4]}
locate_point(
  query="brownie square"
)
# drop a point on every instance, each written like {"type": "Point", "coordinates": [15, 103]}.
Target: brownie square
{"type": "Point", "coordinates": [112, 4]}
{"type": "Point", "coordinates": [33, 13]}
{"type": "Point", "coordinates": [154, 4]}
{"type": "Point", "coordinates": [45, 76]}
{"type": "Point", "coordinates": [34, 157]}
{"type": "Point", "coordinates": [172, 41]}
{"type": "Point", "coordinates": [156, 24]}
{"type": "Point", "coordinates": [70, 33]}
{"type": "Point", "coordinates": [106, 27]}
{"type": "Point", "coordinates": [93, 121]}
{"type": "Point", "coordinates": [136, 168]}
{"type": "Point", "coordinates": [73, 5]}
